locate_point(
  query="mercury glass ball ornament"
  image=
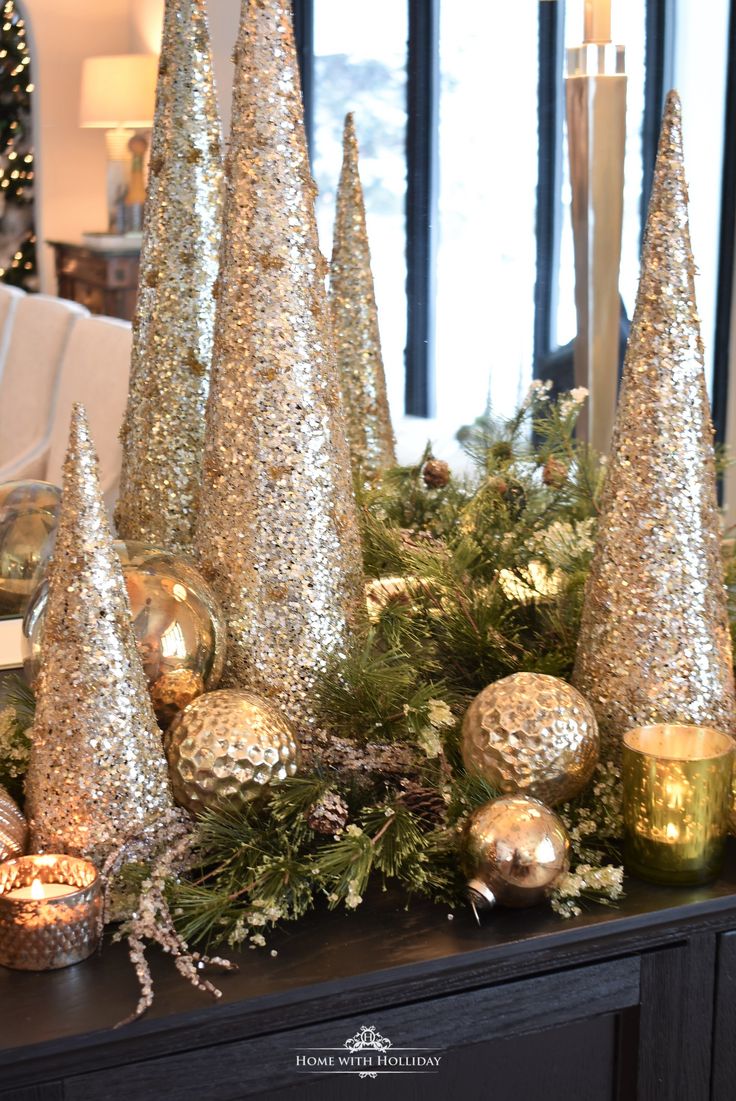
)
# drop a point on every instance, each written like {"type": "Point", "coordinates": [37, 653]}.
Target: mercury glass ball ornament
{"type": "Point", "coordinates": [515, 851]}
{"type": "Point", "coordinates": [28, 515]}
{"type": "Point", "coordinates": [177, 622]}
{"type": "Point", "coordinates": [13, 827]}
{"type": "Point", "coordinates": [227, 747]}
{"type": "Point", "coordinates": [531, 733]}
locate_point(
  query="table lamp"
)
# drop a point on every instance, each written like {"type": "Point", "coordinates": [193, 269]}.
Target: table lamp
{"type": "Point", "coordinates": [119, 95]}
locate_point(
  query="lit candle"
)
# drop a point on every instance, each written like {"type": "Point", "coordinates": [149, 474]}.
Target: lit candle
{"type": "Point", "coordinates": [39, 890]}
{"type": "Point", "coordinates": [677, 787]}
{"type": "Point", "coordinates": [597, 21]}
{"type": "Point", "coordinates": [50, 911]}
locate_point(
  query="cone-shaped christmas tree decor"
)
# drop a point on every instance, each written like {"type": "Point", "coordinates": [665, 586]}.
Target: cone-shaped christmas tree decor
{"type": "Point", "coordinates": [163, 432]}
{"type": "Point", "coordinates": [277, 533]}
{"type": "Point", "coordinates": [355, 323]}
{"type": "Point", "coordinates": [654, 642]}
{"type": "Point", "coordinates": [97, 771]}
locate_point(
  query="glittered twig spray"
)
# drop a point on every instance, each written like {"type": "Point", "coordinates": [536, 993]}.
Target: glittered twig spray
{"type": "Point", "coordinates": [163, 431]}
{"type": "Point", "coordinates": [171, 843]}
{"type": "Point", "coordinates": [654, 644]}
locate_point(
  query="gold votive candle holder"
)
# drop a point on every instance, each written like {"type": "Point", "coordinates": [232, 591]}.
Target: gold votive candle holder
{"type": "Point", "coordinates": [677, 783]}
{"type": "Point", "coordinates": [50, 911]}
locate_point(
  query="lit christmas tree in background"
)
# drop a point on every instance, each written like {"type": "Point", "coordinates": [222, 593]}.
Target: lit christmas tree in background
{"type": "Point", "coordinates": [17, 231]}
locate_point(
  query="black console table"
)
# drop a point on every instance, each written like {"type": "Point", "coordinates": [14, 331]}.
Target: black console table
{"type": "Point", "coordinates": [634, 1003]}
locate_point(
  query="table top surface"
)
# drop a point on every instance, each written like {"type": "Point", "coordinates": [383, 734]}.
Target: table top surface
{"type": "Point", "coordinates": [330, 956]}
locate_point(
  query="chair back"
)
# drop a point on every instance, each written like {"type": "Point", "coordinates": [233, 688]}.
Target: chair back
{"type": "Point", "coordinates": [95, 371]}
{"type": "Point", "coordinates": [39, 335]}
{"type": "Point", "coordinates": [9, 299]}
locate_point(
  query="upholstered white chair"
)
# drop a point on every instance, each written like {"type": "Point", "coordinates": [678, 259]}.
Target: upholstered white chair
{"type": "Point", "coordinates": [38, 338]}
{"type": "Point", "coordinates": [9, 299]}
{"type": "Point", "coordinates": [95, 371]}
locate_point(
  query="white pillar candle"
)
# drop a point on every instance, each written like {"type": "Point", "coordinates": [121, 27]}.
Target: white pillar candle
{"type": "Point", "coordinates": [597, 21]}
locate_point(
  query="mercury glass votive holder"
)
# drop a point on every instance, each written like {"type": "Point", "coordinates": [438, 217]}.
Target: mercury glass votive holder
{"type": "Point", "coordinates": [50, 911]}
{"type": "Point", "coordinates": [677, 783]}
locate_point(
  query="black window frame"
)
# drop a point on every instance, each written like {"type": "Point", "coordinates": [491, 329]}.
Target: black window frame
{"type": "Point", "coordinates": [423, 176]}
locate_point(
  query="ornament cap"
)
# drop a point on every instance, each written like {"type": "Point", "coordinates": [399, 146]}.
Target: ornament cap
{"type": "Point", "coordinates": [480, 896]}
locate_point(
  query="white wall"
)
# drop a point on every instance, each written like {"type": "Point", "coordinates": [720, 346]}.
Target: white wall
{"type": "Point", "coordinates": [71, 162]}
{"type": "Point", "coordinates": [146, 18]}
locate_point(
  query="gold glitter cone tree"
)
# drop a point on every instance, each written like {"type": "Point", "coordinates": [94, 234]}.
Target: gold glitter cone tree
{"type": "Point", "coordinates": [355, 323]}
{"type": "Point", "coordinates": [163, 430]}
{"type": "Point", "coordinates": [277, 534]}
{"type": "Point", "coordinates": [97, 771]}
{"type": "Point", "coordinates": [654, 642]}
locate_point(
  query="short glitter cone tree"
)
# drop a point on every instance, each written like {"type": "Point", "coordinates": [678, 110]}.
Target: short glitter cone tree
{"type": "Point", "coordinates": [355, 323]}
{"type": "Point", "coordinates": [163, 430]}
{"type": "Point", "coordinates": [654, 643]}
{"type": "Point", "coordinates": [97, 771]}
{"type": "Point", "coordinates": [277, 534]}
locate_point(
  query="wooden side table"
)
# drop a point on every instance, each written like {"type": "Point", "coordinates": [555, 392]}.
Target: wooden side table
{"type": "Point", "coordinates": [103, 280]}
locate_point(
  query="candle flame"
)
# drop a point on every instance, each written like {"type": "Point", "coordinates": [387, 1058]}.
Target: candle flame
{"type": "Point", "coordinates": [37, 890]}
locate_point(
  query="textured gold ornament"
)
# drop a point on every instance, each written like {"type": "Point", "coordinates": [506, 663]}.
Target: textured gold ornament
{"type": "Point", "coordinates": [177, 623]}
{"type": "Point", "coordinates": [515, 852]}
{"type": "Point", "coordinates": [654, 644]}
{"type": "Point", "coordinates": [531, 733]}
{"type": "Point", "coordinates": [355, 323]}
{"type": "Point", "coordinates": [13, 827]}
{"type": "Point", "coordinates": [277, 534]}
{"type": "Point", "coordinates": [28, 515]}
{"type": "Point", "coordinates": [163, 430]}
{"type": "Point", "coordinates": [226, 748]}
{"type": "Point", "coordinates": [97, 771]}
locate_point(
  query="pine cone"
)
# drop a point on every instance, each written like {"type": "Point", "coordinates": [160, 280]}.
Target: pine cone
{"type": "Point", "coordinates": [554, 473]}
{"type": "Point", "coordinates": [436, 474]}
{"type": "Point", "coordinates": [424, 802]}
{"type": "Point", "coordinates": [329, 815]}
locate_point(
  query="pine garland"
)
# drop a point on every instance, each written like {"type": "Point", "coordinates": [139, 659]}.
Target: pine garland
{"type": "Point", "coordinates": [470, 579]}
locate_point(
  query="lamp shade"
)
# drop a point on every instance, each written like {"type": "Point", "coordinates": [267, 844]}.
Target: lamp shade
{"type": "Point", "coordinates": [119, 91]}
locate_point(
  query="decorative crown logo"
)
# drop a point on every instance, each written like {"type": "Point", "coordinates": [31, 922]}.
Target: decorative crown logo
{"type": "Point", "coordinates": [368, 1037]}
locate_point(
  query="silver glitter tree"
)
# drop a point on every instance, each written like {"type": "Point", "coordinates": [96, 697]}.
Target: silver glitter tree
{"type": "Point", "coordinates": [355, 323]}
{"type": "Point", "coordinates": [277, 534]}
{"type": "Point", "coordinates": [654, 643]}
{"type": "Point", "coordinates": [163, 430]}
{"type": "Point", "coordinates": [97, 771]}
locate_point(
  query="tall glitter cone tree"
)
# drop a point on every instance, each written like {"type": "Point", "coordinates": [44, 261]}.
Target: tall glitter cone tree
{"type": "Point", "coordinates": [654, 643]}
{"type": "Point", "coordinates": [277, 534]}
{"type": "Point", "coordinates": [355, 323]}
{"type": "Point", "coordinates": [163, 430]}
{"type": "Point", "coordinates": [97, 771]}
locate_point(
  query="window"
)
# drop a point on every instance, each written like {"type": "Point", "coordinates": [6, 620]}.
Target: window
{"type": "Point", "coordinates": [460, 114]}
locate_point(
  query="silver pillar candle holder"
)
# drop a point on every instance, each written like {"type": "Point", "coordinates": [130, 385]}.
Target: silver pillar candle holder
{"type": "Point", "coordinates": [50, 911]}
{"type": "Point", "coordinates": [596, 129]}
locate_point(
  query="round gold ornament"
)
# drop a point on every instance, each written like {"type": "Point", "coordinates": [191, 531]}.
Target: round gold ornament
{"type": "Point", "coordinates": [13, 827]}
{"type": "Point", "coordinates": [515, 851]}
{"type": "Point", "coordinates": [177, 623]}
{"type": "Point", "coordinates": [531, 733]}
{"type": "Point", "coordinates": [227, 747]}
{"type": "Point", "coordinates": [28, 514]}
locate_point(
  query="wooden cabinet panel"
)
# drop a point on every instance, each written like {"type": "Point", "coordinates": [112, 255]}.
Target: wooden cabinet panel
{"type": "Point", "coordinates": [455, 1022]}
